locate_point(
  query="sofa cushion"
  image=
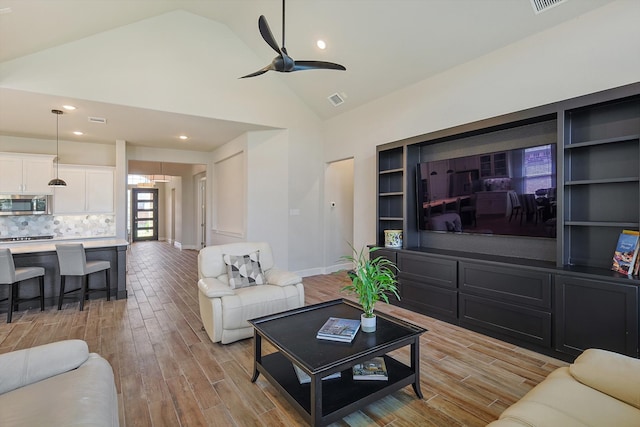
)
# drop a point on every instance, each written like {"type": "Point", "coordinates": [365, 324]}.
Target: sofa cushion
{"type": "Point", "coordinates": [611, 373]}
{"type": "Point", "coordinates": [244, 270]}
{"type": "Point", "coordinates": [252, 302]}
{"type": "Point", "coordinates": [85, 396]}
{"type": "Point", "coordinates": [560, 400]}
{"type": "Point", "coordinates": [35, 364]}
{"type": "Point", "coordinates": [279, 277]}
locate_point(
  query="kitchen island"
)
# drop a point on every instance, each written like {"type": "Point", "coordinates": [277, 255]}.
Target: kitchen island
{"type": "Point", "coordinates": [43, 254]}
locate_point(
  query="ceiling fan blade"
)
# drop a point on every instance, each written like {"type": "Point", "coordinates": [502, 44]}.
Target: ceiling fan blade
{"type": "Point", "coordinates": [257, 73]}
{"type": "Point", "coordinates": [317, 65]}
{"type": "Point", "coordinates": [266, 34]}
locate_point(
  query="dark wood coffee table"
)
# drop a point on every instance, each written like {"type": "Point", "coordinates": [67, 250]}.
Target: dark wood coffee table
{"type": "Point", "coordinates": [293, 334]}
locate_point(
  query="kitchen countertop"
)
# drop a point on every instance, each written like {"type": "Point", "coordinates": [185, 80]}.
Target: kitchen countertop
{"type": "Point", "coordinates": [33, 246]}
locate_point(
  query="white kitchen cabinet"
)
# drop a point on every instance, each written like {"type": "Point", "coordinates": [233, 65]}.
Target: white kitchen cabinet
{"type": "Point", "coordinates": [462, 164]}
{"type": "Point", "coordinates": [89, 190]}
{"type": "Point", "coordinates": [26, 173]}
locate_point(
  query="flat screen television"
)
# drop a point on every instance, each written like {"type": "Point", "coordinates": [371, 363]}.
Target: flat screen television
{"type": "Point", "coordinates": [510, 192]}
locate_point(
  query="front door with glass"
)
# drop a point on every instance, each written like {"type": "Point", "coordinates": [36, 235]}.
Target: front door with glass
{"type": "Point", "coordinates": [145, 214]}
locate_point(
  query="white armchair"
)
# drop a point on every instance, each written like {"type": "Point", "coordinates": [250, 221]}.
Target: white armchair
{"type": "Point", "coordinates": [225, 307]}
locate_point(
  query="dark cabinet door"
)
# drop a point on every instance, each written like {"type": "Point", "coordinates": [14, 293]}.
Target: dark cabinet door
{"type": "Point", "coordinates": [595, 314]}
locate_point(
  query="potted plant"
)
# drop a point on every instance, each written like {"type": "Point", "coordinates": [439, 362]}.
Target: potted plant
{"type": "Point", "coordinates": [372, 279]}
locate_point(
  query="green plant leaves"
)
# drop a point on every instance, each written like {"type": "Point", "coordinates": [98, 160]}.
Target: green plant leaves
{"type": "Point", "coordinates": [372, 279]}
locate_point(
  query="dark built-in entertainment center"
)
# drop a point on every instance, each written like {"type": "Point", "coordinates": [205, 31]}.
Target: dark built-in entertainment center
{"type": "Point", "coordinates": [552, 292]}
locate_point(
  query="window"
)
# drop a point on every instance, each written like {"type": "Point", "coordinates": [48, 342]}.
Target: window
{"type": "Point", "coordinates": [538, 168]}
{"type": "Point", "coordinates": [138, 179]}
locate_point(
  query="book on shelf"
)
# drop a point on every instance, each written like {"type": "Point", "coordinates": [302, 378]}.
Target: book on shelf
{"type": "Point", "coordinates": [626, 252]}
{"type": "Point", "coordinates": [303, 378]}
{"type": "Point", "coordinates": [371, 370]}
{"type": "Point", "coordinates": [339, 329]}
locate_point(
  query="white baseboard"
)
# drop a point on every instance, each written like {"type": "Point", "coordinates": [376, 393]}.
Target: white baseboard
{"type": "Point", "coordinates": [193, 247]}
{"type": "Point", "coordinates": [324, 270]}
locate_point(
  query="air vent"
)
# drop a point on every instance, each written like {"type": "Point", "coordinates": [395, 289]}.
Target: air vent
{"type": "Point", "coordinates": [100, 120]}
{"type": "Point", "coordinates": [540, 6]}
{"type": "Point", "coordinates": [336, 99]}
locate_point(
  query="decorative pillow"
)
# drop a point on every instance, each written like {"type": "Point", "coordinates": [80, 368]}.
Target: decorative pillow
{"type": "Point", "coordinates": [244, 270]}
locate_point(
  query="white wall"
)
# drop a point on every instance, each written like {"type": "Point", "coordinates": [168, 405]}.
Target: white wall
{"type": "Point", "coordinates": [596, 51]}
{"type": "Point", "coordinates": [70, 152]}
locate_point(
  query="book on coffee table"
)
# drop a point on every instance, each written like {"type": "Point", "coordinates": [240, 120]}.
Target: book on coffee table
{"type": "Point", "coordinates": [338, 329]}
{"type": "Point", "coordinates": [303, 378]}
{"type": "Point", "coordinates": [371, 370]}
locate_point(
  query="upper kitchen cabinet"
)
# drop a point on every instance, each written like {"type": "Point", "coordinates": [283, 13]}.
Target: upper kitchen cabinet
{"type": "Point", "coordinates": [494, 165]}
{"type": "Point", "coordinates": [89, 190]}
{"type": "Point", "coordinates": [26, 173]}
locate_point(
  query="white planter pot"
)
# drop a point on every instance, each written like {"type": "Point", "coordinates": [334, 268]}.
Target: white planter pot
{"type": "Point", "coordinates": [367, 324]}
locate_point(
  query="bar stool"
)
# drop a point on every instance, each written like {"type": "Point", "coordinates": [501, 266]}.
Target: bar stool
{"type": "Point", "coordinates": [73, 262]}
{"type": "Point", "coordinates": [10, 275]}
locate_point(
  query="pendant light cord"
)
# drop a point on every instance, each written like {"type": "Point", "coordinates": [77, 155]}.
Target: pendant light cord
{"type": "Point", "coordinates": [57, 146]}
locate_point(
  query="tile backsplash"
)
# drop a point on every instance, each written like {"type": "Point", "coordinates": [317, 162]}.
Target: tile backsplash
{"type": "Point", "coordinates": [58, 226]}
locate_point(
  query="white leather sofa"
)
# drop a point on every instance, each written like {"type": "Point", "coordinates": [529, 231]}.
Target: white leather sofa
{"type": "Point", "coordinates": [600, 389]}
{"type": "Point", "coordinates": [224, 311]}
{"type": "Point", "coordinates": [57, 384]}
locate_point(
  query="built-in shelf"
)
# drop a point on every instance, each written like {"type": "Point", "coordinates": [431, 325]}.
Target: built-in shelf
{"type": "Point", "coordinates": [602, 224]}
{"type": "Point", "coordinates": [603, 181]}
{"type": "Point", "coordinates": [601, 141]}
{"type": "Point", "coordinates": [382, 172]}
{"type": "Point", "coordinates": [391, 195]}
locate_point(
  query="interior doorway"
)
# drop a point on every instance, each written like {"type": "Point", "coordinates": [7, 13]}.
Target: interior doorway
{"type": "Point", "coordinates": [202, 212]}
{"type": "Point", "coordinates": [144, 212]}
{"type": "Point", "coordinates": [338, 198]}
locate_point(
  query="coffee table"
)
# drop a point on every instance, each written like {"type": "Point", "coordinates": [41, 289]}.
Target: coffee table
{"type": "Point", "coordinates": [321, 402]}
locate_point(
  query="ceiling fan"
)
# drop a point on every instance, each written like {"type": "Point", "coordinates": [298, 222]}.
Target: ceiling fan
{"type": "Point", "coordinates": [283, 62]}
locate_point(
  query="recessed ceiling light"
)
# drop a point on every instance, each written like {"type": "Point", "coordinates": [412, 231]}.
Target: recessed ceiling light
{"type": "Point", "coordinates": [321, 44]}
{"type": "Point", "coordinates": [69, 107]}
{"type": "Point", "coordinates": [77, 132]}
{"type": "Point", "coordinates": [183, 137]}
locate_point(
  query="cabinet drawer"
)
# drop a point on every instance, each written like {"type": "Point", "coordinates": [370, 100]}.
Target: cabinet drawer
{"type": "Point", "coordinates": [519, 286]}
{"type": "Point", "coordinates": [430, 300]}
{"type": "Point", "coordinates": [513, 321]}
{"type": "Point", "coordinates": [432, 271]}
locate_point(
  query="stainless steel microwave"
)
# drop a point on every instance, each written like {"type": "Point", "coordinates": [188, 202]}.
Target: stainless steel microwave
{"type": "Point", "coordinates": [24, 205]}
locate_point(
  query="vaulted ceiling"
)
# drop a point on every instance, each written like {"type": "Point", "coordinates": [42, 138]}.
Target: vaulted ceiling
{"type": "Point", "coordinates": [384, 44]}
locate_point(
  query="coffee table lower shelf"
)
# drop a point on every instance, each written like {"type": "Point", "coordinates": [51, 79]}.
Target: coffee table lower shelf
{"type": "Point", "coordinates": [341, 396]}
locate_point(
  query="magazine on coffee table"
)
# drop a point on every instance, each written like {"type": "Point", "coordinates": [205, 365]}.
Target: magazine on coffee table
{"type": "Point", "coordinates": [303, 378]}
{"type": "Point", "coordinates": [371, 370]}
{"type": "Point", "coordinates": [338, 329]}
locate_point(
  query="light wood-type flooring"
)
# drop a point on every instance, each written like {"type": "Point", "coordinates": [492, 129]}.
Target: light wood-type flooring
{"type": "Point", "coordinates": [168, 372]}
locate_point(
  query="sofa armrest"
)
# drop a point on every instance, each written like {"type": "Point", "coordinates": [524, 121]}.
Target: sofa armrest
{"type": "Point", "coordinates": [278, 277]}
{"type": "Point", "coordinates": [214, 288]}
{"type": "Point", "coordinates": [23, 367]}
{"type": "Point", "coordinates": [611, 373]}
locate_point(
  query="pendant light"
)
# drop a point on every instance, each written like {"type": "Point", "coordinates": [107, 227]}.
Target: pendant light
{"type": "Point", "coordinates": [57, 182]}
{"type": "Point", "coordinates": [160, 178]}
